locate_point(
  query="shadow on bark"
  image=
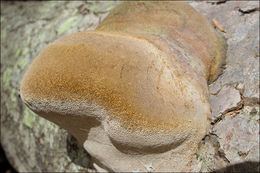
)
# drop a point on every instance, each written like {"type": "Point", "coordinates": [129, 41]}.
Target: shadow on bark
{"type": "Point", "coordinates": [241, 167]}
{"type": "Point", "coordinates": [77, 153]}
{"type": "Point", "coordinates": [5, 166]}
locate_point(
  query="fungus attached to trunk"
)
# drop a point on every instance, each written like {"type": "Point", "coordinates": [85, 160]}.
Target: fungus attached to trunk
{"type": "Point", "coordinates": [134, 91]}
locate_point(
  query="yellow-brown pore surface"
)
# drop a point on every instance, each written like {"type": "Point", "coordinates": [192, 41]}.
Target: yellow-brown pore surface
{"type": "Point", "coordinates": [110, 70]}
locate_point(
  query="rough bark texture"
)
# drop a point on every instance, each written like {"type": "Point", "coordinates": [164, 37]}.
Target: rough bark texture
{"type": "Point", "coordinates": [34, 144]}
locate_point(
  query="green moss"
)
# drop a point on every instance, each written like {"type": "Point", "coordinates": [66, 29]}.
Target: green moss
{"type": "Point", "coordinates": [13, 95]}
{"type": "Point", "coordinates": [3, 34]}
{"type": "Point", "coordinates": [46, 7]}
{"type": "Point", "coordinates": [42, 37]}
{"type": "Point", "coordinates": [25, 50]}
{"type": "Point", "coordinates": [26, 43]}
{"type": "Point", "coordinates": [21, 63]}
{"type": "Point", "coordinates": [74, 12]}
{"type": "Point", "coordinates": [29, 117]}
{"type": "Point", "coordinates": [66, 25]}
{"type": "Point", "coordinates": [7, 77]}
{"type": "Point", "coordinates": [254, 114]}
{"type": "Point", "coordinates": [99, 8]}
{"type": "Point", "coordinates": [17, 53]}
{"type": "Point", "coordinates": [2, 19]}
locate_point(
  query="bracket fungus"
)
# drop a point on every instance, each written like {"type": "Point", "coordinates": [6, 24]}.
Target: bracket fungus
{"type": "Point", "coordinates": [133, 92]}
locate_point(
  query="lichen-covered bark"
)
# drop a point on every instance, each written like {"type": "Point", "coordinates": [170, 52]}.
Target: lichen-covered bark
{"type": "Point", "coordinates": [34, 144]}
{"type": "Point", "coordinates": [31, 142]}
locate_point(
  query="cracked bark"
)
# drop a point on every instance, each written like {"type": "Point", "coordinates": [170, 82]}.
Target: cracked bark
{"type": "Point", "coordinates": [233, 76]}
{"type": "Point", "coordinates": [248, 11]}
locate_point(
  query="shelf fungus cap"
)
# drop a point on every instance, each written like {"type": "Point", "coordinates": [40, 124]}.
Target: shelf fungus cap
{"type": "Point", "coordinates": [118, 94]}
{"type": "Point", "coordinates": [134, 92]}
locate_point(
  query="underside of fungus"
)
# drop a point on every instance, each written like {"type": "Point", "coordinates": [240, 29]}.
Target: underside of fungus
{"type": "Point", "coordinates": [134, 91]}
